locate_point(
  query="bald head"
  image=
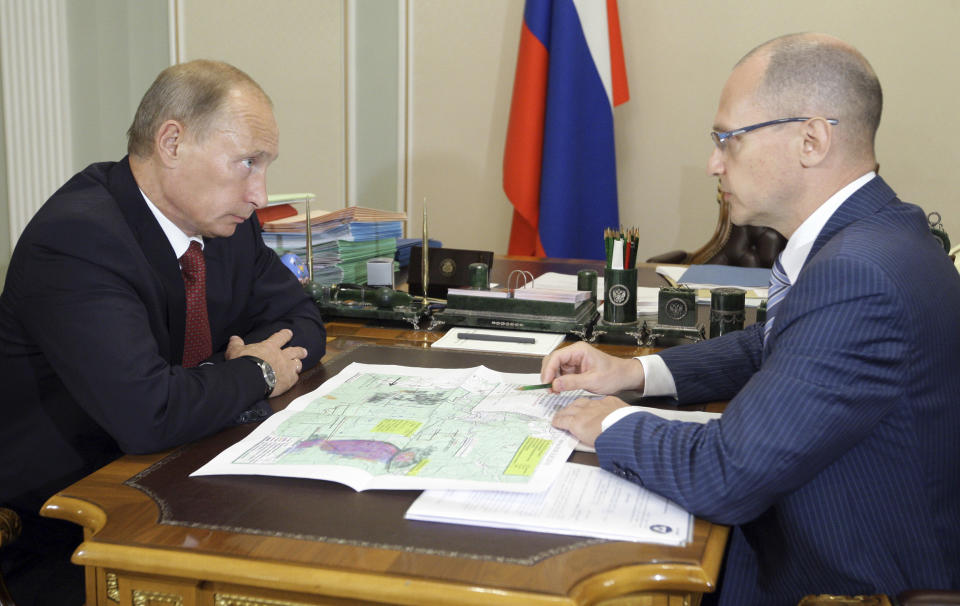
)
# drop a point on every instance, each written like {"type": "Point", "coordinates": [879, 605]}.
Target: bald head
{"type": "Point", "coordinates": [819, 75]}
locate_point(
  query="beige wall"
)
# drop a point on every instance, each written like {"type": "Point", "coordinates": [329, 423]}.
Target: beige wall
{"type": "Point", "coordinates": [678, 53]}
{"type": "Point", "coordinates": [294, 49]}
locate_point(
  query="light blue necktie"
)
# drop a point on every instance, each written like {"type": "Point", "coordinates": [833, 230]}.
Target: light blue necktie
{"type": "Point", "coordinates": [779, 285]}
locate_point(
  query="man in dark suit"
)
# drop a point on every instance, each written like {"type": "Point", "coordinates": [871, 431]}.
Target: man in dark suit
{"type": "Point", "coordinates": [106, 347]}
{"type": "Point", "coordinates": [836, 458]}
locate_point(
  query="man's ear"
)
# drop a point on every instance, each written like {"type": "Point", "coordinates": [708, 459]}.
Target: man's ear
{"type": "Point", "coordinates": [168, 142]}
{"type": "Point", "coordinates": [817, 139]}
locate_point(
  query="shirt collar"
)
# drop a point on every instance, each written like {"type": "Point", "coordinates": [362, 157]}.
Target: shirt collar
{"type": "Point", "coordinates": [179, 241]}
{"type": "Point", "coordinates": [798, 246]}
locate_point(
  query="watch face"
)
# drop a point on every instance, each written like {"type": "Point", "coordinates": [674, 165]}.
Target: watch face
{"type": "Point", "coordinates": [269, 376]}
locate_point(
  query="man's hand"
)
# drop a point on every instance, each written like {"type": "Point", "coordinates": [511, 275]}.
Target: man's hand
{"type": "Point", "coordinates": [581, 366]}
{"type": "Point", "coordinates": [286, 361]}
{"type": "Point", "coordinates": [583, 417]}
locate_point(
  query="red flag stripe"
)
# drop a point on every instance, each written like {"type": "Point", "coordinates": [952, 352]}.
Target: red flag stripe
{"type": "Point", "coordinates": [618, 67]}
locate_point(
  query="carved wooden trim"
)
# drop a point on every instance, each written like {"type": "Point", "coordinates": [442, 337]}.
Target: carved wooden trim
{"type": "Point", "coordinates": [227, 599]}
{"type": "Point", "coordinates": [148, 598]}
{"type": "Point", "coordinates": [113, 587]}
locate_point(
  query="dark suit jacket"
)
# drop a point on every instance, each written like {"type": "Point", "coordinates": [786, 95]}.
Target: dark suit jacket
{"type": "Point", "coordinates": [837, 457]}
{"type": "Point", "coordinates": [91, 335]}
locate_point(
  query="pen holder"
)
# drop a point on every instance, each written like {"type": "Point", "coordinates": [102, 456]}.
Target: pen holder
{"type": "Point", "coordinates": [726, 310]}
{"type": "Point", "coordinates": [587, 280]}
{"type": "Point", "coordinates": [620, 295]}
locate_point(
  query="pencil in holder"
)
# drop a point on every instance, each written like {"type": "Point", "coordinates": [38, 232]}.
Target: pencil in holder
{"type": "Point", "coordinates": [620, 295]}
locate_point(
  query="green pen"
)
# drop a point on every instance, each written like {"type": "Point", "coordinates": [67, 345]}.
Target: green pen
{"type": "Point", "coordinates": [529, 387]}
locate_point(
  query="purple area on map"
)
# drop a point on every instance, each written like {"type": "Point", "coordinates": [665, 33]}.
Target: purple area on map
{"type": "Point", "coordinates": [369, 450]}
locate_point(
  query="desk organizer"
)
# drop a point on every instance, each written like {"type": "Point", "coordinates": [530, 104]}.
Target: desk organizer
{"type": "Point", "coordinates": [368, 303]}
{"type": "Point", "coordinates": [485, 308]}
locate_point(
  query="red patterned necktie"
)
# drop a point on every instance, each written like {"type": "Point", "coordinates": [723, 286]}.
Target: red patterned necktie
{"type": "Point", "coordinates": [196, 339]}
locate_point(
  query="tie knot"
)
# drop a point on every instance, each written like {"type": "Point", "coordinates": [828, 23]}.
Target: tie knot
{"type": "Point", "coordinates": [192, 260]}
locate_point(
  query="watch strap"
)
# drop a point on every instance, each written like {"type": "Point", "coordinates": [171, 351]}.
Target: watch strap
{"type": "Point", "coordinates": [269, 378]}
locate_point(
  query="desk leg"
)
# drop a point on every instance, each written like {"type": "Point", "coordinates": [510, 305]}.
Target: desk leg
{"type": "Point", "coordinates": [92, 582]}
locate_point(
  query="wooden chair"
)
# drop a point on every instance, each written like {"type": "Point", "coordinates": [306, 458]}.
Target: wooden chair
{"type": "Point", "coordinates": [929, 597]}
{"type": "Point", "coordinates": [845, 600]}
{"type": "Point", "coordinates": [905, 598]}
{"type": "Point", "coordinates": [738, 245]}
{"type": "Point", "coordinates": [9, 531]}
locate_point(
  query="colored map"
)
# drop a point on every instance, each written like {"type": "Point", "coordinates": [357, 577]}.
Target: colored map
{"type": "Point", "coordinates": [395, 427]}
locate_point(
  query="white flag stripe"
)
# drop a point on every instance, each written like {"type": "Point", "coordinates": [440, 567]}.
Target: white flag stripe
{"type": "Point", "coordinates": [596, 29]}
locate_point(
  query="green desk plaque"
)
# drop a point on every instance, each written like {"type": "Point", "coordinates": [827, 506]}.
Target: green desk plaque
{"type": "Point", "coordinates": [676, 318]}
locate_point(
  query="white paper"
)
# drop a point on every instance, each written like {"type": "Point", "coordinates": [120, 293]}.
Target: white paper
{"type": "Point", "coordinates": [671, 272]}
{"type": "Point", "coordinates": [617, 257]}
{"type": "Point", "coordinates": [545, 342]}
{"type": "Point", "coordinates": [583, 501]}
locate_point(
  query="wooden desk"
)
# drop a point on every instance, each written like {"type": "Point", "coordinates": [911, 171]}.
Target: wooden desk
{"type": "Point", "coordinates": [136, 551]}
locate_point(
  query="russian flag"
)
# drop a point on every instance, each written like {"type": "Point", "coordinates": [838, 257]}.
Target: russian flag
{"type": "Point", "coordinates": [559, 165]}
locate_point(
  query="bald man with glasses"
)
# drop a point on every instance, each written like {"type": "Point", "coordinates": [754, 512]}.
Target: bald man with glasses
{"type": "Point", "coordinates": [835, 460]}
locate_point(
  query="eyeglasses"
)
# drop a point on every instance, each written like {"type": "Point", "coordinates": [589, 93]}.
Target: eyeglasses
{"type": "Point", "coordinates": [720, 138]}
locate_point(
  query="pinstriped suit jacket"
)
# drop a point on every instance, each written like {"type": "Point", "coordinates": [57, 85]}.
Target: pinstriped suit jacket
{"type": "Point", "coordinates": [838, 458]}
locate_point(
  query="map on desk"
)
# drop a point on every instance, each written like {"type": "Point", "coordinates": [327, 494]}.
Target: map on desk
{"type": "Point", "coordinates": [397, 427]}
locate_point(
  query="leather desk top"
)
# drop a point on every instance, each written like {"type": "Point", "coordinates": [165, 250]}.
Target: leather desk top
{"type": "Point", "coordinates": [304, 509]}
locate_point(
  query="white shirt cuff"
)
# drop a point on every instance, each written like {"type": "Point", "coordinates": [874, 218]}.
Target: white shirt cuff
{"type": "Point", "coordinates": [657, 381]}
{"type": "Point", "coordinates": [616, 415]}
{"type": "Point", "coordinates": [657, 378]}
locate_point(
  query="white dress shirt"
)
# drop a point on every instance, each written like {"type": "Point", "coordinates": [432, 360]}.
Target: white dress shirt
{"type": "Point", "coordinates": [178, 240]}
{"type": "Point", "coordinates": [658, 381]}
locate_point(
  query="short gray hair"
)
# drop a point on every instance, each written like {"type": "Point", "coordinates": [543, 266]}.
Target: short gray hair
{"type": "Point", "coordinates": [813, 74]}
{"type": "Point", "coordinates": [192, 93]}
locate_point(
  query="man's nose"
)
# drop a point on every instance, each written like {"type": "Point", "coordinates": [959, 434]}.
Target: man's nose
{"type": "Point", "coordinates": [257, 192]}
{"type": "Point", "coordinates": [715, 162]}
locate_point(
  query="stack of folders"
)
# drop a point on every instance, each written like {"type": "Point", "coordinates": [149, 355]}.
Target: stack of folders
{"type": "Point", "coordinates": [551, 294]}
{"type": "Point", "coordinates": [529, 294]}
{"type": "Point", "coordinates": [343, 241]}
{"type": "Point", "coordinates": [322, 219]}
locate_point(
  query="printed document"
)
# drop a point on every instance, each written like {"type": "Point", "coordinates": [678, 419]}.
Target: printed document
{"type": "Point", "coordinates": [584, 501]}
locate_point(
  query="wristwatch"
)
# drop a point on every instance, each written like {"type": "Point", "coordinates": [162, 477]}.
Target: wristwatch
{"type": "Point", "coordinates": [269, 377]}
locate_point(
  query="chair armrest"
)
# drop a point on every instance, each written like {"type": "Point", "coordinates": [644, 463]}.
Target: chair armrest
{"type": "Point", "coordinates": [674, 256]}
{"type": "Point", "coordinates": [930, 597]}
{"type": "Point", "coordinates": [9, 526]}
